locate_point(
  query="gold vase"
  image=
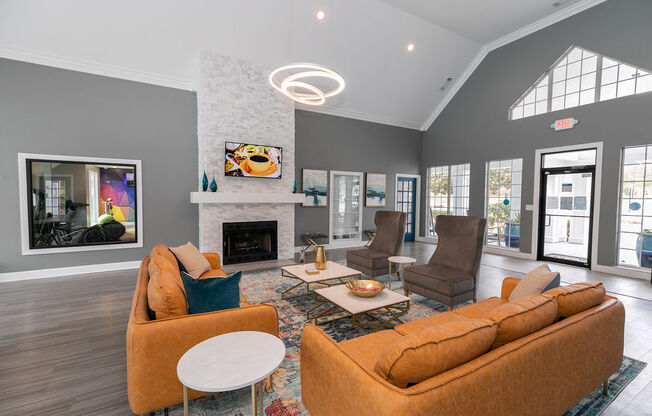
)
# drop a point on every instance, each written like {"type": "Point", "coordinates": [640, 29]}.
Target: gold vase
{"type": "Point", "coordinates": [320, 258]}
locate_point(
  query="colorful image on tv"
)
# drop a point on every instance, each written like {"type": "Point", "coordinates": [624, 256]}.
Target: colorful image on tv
{"type": "Point", "coordinates": [251, 160]}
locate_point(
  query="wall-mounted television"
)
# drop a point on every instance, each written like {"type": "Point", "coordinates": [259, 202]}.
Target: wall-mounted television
{"type": "Point", "coordinates": [253, 160]}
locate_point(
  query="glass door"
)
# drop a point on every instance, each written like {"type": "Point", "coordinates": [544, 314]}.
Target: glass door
{"type": "Point", "coordinates": [566, 213]}
{"type": "Point", "coordinates": [406, 191]}
{"type": "Point", "coordinates": [345, 207]}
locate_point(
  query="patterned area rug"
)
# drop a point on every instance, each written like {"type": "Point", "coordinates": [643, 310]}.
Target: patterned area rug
{"type": "Point", "coordinates": [285, 398]}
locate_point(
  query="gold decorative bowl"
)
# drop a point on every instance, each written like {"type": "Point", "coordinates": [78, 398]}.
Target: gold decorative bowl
{"type": "Point", "coordinates": [365, 288]}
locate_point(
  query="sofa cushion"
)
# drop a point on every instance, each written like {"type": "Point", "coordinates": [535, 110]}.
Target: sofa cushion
{"type": "Point", "coordinates": [577, 297]}
{"type": "Point", "coordinates": [421, 355]}
{"type": "Point", "coordinates": [522, 317]}
{"type": "Point", "coordinates": [441, 279]}
{"type": "Point", "coordinates": [165, 293]}
{"type": "Point", "coordinates": [213, 293]}
{"type": "Point", "coordinates": [194, 262]}
{"type": "Point", "coordinates": [368, 257]}
{"type": "Point", "coordinates": [535, 282]}
{"type": "Point", "coordinates": [480, 309]}
{"type": "Point", "coordinates": [366, 349]}
{"type": "Point", "coordinates": [428, 322]}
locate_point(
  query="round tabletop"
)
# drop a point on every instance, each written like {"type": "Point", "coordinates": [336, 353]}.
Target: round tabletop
{"type": "Point", "coordinates": [401, 259]}
{"type": "Point", "coordinates": [230, 361]}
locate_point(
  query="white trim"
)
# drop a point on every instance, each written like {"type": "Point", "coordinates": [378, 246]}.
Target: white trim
{"type": "Point", "coordinates": [562, 14]}
{"type": "Point", "coordinates": [417, 213]}
{"type": "Point", "coordinates": [507, 252]}
{"type": "Point", "coordinates": [538, 153]}
{"type": "Point", "coordinates": [633, 272]}
{"type": "Point", "coordinates": [429, 240]}
{"type": "Point", "coordinates": [331, 194]}
{"type": "Point", "coordinates": [22, 195]}
{"type": "Point", "coordinates": [96, 68]}
{"type": "Point", "coordinates": [349, 244]}
{"type": "Point", "coordinates": [359, 115]}
{"type": "Point", "coordinates": [68, 271]}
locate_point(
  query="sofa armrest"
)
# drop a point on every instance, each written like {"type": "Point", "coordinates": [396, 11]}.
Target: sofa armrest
{"type": "Point", "coordinates": [329, 376]}
{"type": "Point", "coordinates": [155, 347]}
{"type": "Point", "coordinates": [509, 283]}
{"type": "Point", "coordinates": [214, 260]}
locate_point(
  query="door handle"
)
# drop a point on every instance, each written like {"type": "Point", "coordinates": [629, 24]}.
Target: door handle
{"type": "Point", "coordinates": [548, 220]}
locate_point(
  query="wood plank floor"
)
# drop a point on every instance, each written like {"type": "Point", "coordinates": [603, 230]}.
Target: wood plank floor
{"type": "Point", "coordinates": [62, 340]}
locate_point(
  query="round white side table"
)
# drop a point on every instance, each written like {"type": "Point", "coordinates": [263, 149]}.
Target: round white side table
{"type": "Point", "coordinates": [398, 260]}
{"type": "Point", "coordinates": [229, 362]}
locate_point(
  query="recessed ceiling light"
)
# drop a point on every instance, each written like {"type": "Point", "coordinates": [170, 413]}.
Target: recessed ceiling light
{"type": "Point", "coordinates": [321, 15]}
{"type": "Point", "coordinates": [410, 47]}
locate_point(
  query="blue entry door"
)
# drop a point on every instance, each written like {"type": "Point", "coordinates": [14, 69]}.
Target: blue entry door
{"type": "Point", "coordinates": [406, 201]}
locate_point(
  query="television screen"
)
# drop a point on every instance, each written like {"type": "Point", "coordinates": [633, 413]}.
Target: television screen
{"type": "Point", "coordinates": [251, 160]}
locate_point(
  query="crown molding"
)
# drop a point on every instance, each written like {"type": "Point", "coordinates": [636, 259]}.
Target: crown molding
{"type": "Point", "coordinates": [500, 42]}
{"type": "Point", "coordinates": [358, 115]}
{"type": "Point", "coordinates": [95, 68]}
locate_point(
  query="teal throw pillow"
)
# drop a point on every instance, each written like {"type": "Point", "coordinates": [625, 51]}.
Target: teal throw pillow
{"type": "Point", "coordinates": [213, 293]}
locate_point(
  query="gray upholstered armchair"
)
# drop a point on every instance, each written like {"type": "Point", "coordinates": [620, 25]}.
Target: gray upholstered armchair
{"type": "Point", "coordinates": [450, 277]}
{"type": "Point", "coordinates": [372, 260]}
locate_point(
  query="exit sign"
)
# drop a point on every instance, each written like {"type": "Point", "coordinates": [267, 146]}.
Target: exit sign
{"type": "Point", "coordinates": [564, 124]}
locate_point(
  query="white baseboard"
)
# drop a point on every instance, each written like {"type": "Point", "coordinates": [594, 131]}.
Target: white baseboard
{"type": "Point", "coordinates": [430, 240]}
{"type": "Point", "coordinates": [623, 271]}
{"type": "Point", "coordinates": [334, 246]}
{"type": "Point", "coordinates": [507, 253]}
{"type": "Point", "coordinates": [68, 271]}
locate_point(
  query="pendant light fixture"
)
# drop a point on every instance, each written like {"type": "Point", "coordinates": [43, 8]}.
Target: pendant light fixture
{"type": "Point", "coordinates": [296, 80]}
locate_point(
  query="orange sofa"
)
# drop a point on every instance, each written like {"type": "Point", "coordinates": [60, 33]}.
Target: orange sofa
{"type": "Point", "coordinates": [543, 354]}
{"type": "Point", "coordinates": [154, 346]}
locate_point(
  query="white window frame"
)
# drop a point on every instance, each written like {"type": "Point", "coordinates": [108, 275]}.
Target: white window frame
{"type": "Point", "coordinates": [486, 202]}
{"type": "Point", "coordinates": [349, 242]}
{"type": "Point", "coordinates": [448, 195]}
{"type": "Point", "coordinates": [24, 209]}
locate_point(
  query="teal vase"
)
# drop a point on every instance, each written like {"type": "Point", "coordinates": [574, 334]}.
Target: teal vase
{"type": "Point", "coordinates": [204, 182]}
{"type": "Point", "coordinates": [294, 188]}
{"type": "Point", "coordinates": [213, 185]}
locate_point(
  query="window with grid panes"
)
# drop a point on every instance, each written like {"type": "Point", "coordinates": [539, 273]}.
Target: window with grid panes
{"type": "Point", "coordinates": [448, 192]}
{"type": "Point", "coordinates": [503, 198]}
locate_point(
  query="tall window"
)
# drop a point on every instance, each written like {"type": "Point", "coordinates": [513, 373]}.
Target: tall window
{"type": "Point", "coordinates": [503, 205]}
{"type": "Point", "coordinates": [448, 192]}
{"type": "Point", "coordinates": [346, 203]}
{"type": "Point", "coordinates": [635, 222]}
{"type": "Point", "coordinates": [580, 77]}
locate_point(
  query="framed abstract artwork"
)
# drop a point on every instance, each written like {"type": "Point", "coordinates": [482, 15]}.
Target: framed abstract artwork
{"type": "Point", "coordinates": [315, 187]}
{"type": "Point", "coordinates": [376, 190]}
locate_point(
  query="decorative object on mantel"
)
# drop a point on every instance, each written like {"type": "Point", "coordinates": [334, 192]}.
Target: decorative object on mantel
{"type": "Point", "coordinates": [290, 79]}
{"type": "Point", "coordinates": [320, 258]}
{"type": "Point", "coordinates": [315, 187]}
{"type": "Point", "coordinates": [204, 182]}
{"type": "Point", "coordinates": [294, 187]}
{"type": "Point", "coordinates": [213, 184]}
{"type": "Point", "coordinates": [376, 190]}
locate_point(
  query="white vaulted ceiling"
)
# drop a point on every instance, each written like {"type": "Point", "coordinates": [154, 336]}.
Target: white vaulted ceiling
{"type": "Point", "coordinates": [158, 41]}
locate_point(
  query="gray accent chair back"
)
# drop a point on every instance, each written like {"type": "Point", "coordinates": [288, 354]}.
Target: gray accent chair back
{"type": "Point", "coordinates": [390, 232]}
{"type": "Point", "coordinates": [450, 277]}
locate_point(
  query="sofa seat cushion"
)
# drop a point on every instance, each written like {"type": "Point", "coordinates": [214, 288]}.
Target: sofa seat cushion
{"type": "Point", "coordinates": [480, 309]}
{"type": "Point", "coordinates": [366, 349]}
{"type": "Point", "coordinates": [213, 273]}
{"type": "Point", "coordinates": [441, 279]}
{"type": "Point", "coordinates": [428, 322]}
{"type": "Point", "coordinates": [522, 317]}
{"type": "Point", "coordinates": [165, 293]}
{"type": "Point", "coordinates": [368, 257]}
{"type": "Point", "coordinates": [577, 297]}
{"type": "Point", "coordinates": [424, 354]}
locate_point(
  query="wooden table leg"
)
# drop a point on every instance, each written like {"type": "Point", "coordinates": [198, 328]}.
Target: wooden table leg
{"type": "Point", "coordinates": [185, 401]}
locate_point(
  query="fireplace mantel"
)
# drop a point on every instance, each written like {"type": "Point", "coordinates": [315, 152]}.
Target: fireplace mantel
{"type": "Point", "coordinates": [245, 198]}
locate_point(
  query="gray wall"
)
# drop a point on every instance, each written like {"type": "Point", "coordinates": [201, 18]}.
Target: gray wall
{"type": "Point", "coordinates": [337, 143]}
{"type": "Point", "coordinates": [53, 111]}
{"type": "Point", "coordinates": [474, 126]}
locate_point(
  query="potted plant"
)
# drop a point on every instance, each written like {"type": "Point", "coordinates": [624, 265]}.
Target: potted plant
{"type": "Point", "coordinates": [644, 248]}
{"type": "Point", "coordinates": [497, 215]}
{"type": "Point", "coordinates": [513, 232]}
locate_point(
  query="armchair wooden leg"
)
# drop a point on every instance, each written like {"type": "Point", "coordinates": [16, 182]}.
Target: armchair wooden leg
{"type": "Point", "coordinates": [475, 300]}
{"type": "Point", "coordinates": [605, 388]}
{"type": "Point", "coordinates": [450, 308]}
{"type": "Point", "coordinates": [406, 292]}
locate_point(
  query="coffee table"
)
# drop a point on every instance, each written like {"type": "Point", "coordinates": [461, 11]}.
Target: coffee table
{"type": "Point", "coordinates": [333, 271]}
{"type": "Point", "coordinates": [398, 260]}
{"type": "Point", "coordinates": [229, 362]}
{"type": "Point", "coordinates": [343, 300]}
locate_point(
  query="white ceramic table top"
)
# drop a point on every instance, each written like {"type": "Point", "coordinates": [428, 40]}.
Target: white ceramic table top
{"type": "Point", "coordinates": [401, 259]}
{"type": "Point", "coordinates": [342, 297]}
{"type": "Point", "coordinates": [332, 271]}
{"type": "Point", "coordinates": [230, 361]}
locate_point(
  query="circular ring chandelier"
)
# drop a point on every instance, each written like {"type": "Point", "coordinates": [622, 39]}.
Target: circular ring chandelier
{"type": "Point", "coordinates": [291, 81]}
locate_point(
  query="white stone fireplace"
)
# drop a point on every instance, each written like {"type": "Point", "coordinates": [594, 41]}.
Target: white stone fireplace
{"type": "Point", "coordinates": [236, 103]}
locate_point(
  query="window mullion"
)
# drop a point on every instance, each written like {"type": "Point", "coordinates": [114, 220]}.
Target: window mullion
{"type": "Point", "coordinates": [598, 78]}
{"type": "Point", "coordinates": [549, 104]}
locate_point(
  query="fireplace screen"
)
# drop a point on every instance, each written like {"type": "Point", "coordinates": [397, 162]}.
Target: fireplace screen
{"type": "Point", "coordinates": [249, 241]}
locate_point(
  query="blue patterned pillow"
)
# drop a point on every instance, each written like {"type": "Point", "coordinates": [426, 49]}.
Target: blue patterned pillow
{"type": "Point", "coordinates": [213, 293]}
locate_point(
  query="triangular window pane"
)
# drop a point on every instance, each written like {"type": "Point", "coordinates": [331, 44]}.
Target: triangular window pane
{"type": "Point", "coordinates": [580, 77]}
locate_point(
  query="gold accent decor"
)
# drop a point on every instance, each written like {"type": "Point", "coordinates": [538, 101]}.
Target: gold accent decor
{"type": "Point", "coordinates": [320, 258]}
{"type": "Point", "coordinates": [365, 288]}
